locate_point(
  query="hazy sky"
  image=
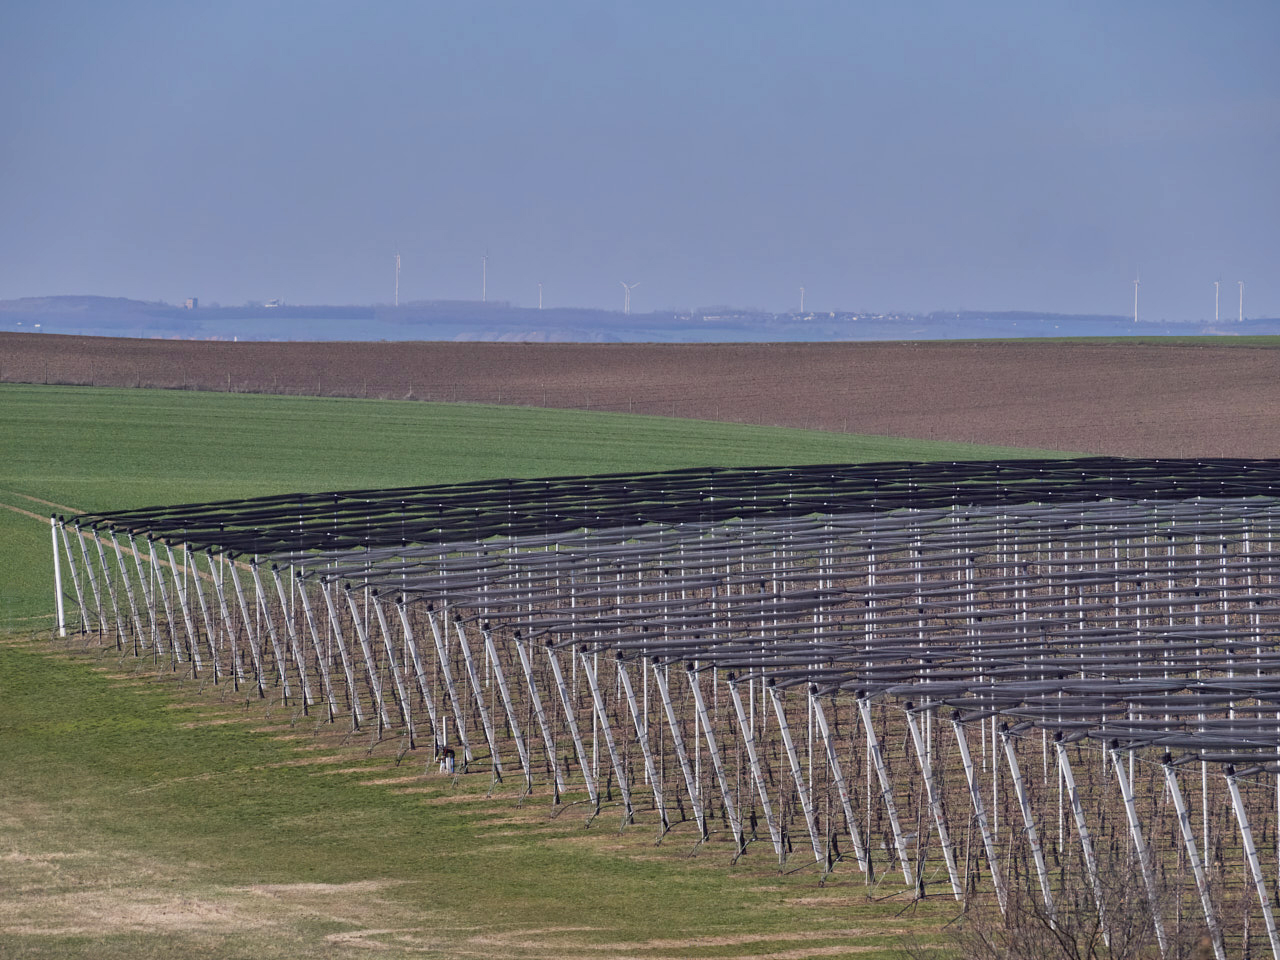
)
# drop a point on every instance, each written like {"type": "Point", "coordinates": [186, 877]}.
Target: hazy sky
{"type": "Point", "coordinates": [886, 156]}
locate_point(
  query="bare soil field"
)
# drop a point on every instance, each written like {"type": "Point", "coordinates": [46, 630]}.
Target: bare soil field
{"type": "Point", "coordinates": [1141, 399]}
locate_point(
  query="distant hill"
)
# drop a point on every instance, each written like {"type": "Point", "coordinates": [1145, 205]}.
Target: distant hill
{"type": "Point", "coordinates": [468, 320]}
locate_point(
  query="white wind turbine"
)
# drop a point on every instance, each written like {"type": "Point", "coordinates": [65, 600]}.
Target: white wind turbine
{"type": "Point", "coordinates": [626, 299]}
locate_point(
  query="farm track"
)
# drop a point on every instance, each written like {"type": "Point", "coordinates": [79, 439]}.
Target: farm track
{"type": "Point", "coordinates": [1125, 399]}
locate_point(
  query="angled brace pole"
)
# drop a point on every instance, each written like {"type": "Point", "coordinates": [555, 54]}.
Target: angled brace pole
{"type": "Point", "coordinates": [92, 578]}
{"type": "Point", "coordinates": [370, 662]}
{"type": "Point", "coordinates": [75, 578]}
{"type": "Point", "coordinates": [1086, 842]}
{"type": "Point", "coordinates": [730, 808]}
{"type": "Point", "coordinates": [282, 662]}
{"type": "Point", "coordinates": [175, 647]}
{"type": "Point", "coordinates": [111, 590]}
{"type": "Point", "coordinates": [1197, 867]}
{"type": "Point", "coordinates": [193, 638]}
{"type": "Point", "coordinates": [1144, 857]}
{"type": "Point", "coordinates": [420, 672]}
{"type": "Point", "coordinates": [619, 771]}
{"type": "Point", "coordinates": [548, 741]}
{"type": "Point", "coordinates": [255, 651]}
{"type": "Point", "coordinates": [442, 656]}
{"type": "Point", "coordinates": [296, 648]}
{"type": "Point", "coordinates": [478, 691]}
{"type": "Point", "coordinates": [886, 789]}
{"type": "Point", "coordinates": [397, 679]}
{"type": "Point", "coordinates": [797, 774]}
{"type": "Point", "coordinates": [762, 788]}
{"type": "Point", "coordinates": [567, 703]}
{"type": "Point", "coordinates": [322, 662]}
{"type": "Point", "coordinates": [1028, 820]}
{"type": "Point", "coordinates": [128, 592]}
{"type": "Point", "coordinates": [926, 771]}
{"type": "Point", "coordinates": [521, 747]}
{"type": "Point", "coordinates": [237, 672]}
{"type": "Point", "coordinates": [642, 735]}
{"type": "Point", "coordinates": [210, 631]}
{"type": "Point", "coordinates": [148, 595]}
{"type": "Point", "coordinates": [348, 669]}
{"type": "Point", "coordinates": [980, 814]}
{"type": "Point", "coordinates": [1255, 866]}
{"type": "Point", "coordinates": [677, 741]}
{"type": "Point", "coordinates": [842, 788]}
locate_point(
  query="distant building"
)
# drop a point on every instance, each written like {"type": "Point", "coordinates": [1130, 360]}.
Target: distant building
{"type": "Point", "coordinates": [192, 302]}
{"type": "Point", "coordinates": [272, 303]}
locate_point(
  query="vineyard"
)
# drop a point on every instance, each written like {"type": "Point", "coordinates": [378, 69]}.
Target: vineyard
{"type": "Point", "coordinates": [1046, 686]}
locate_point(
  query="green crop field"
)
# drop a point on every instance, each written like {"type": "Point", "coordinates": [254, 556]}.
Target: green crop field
{"type": "Point", "coordinates": [145, 815]}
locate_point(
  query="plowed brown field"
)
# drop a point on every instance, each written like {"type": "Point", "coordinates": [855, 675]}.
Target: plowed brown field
{"type": "Point", "coordinates": [1139, 399]}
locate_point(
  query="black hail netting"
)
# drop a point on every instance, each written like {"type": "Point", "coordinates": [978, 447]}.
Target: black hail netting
{"type": "Point", "coordinates": [878, 663]}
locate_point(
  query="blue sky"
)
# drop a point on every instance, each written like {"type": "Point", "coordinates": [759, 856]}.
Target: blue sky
{"type": "Point", "coordinates": [922, 156]}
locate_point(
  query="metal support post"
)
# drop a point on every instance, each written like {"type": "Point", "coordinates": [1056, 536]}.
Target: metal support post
{"type": "Point", "coordinates": [1082, 831]}
{"type": "Point", "coordinates": [348, 668]}
{"type": "Point", "coordinates": [1255, 866]}
{"type": "Point", "coordinates": [1144, 857]}
{"type": "Point", "coordinates": [111, 591]}
{"type": "Point", "coordinates": [192, 636]}
{"type": "Point", "coordinates": [508, 704]}
{"type": "Point", "coordinates": [397, 681]}
{"type": "Point", "coordinates": [797, 774]}
{"type": "Point", "coordinates": [842, 788]}
{"type": "Point", "coordinates": [478, 692]}
{"type": "Point", "coordinates": [370, 661]}
{"type": "Point", "coordinates": [322, 661]}
{"type": "Point", "coordinates": [210, 631]}
{"type": "Point", "coordinates": [57, 579]}
{"type": "Point", "coordinates": [730, 808]}
{"type": "Point", "coordinates": [935, 803]}
{"type": "Point", "coordinates": [677, 741]}
{"type": "Point", "coordinates": [570, 719]}
{"type": "Point", "coordinates": [175, 647]}
{"type": "Point", "coordinates": [128, 592]}
{"type": "Point", "coordinates": [762, 788]}
{"type": "Point", "coordinates": [1193, 855]}
{"type": "Point", "coordinates": [642, 735]}
{"type": "Point", "coordinates": [255, 651]}
{"type": "Point", "coordinates": [92, 578]}
{"type": "Point", "coordinates": [295, 644]}
{"type": "Point", "coordinates": [624, 783]}
{"type": "Point", "coordinates": [419, 670]}
{"type": "Point", "coordinates": [442, 654]}
{"type": "Point", "coordinates": [980, 814]}
{"type": "Point", "coordinates": [1028, 820]}
{"type": "Point", "coordinates": [886, 789]}
{"type": "Point", "coordinates": [548, 741]}
{"type": "Point", "coordinates": [75, 578]}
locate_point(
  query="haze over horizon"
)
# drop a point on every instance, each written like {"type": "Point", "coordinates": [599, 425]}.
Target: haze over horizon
{"type": "Point", "coordinates": [993, 157]}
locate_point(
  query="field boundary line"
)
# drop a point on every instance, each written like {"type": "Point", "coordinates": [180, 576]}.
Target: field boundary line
{"type": "Point", "coordinates": [47, 503]}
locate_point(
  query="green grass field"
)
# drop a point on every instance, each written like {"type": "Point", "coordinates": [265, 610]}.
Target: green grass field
{"type": "Point", "coordinates": [146, 816]}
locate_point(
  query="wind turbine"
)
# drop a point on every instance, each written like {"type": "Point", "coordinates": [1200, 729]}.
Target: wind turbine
{"type": "Point", "coordinates": [1217, 283]}
{"type": "Point", "coordinates": [626, 299]}
{"type": "Point", "coordinates": [484, 279]}
{"type": "Point", "coordinates": [397, 278]}
{"type": "Point", "coordinates": [1136, 283]}
{"type": "Point", "coordinates": [1241, 282]}
{"type": "Point", "coordinates": [539, 294]}
{"type": "Point", "coordinates": [802, 299]}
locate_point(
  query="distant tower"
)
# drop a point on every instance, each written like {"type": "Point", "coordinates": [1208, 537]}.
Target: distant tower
{"type": "Point", "coordinates": [397, 279]}
{"type": "Point", "coordinates": [626, 298]}
{"type": "Point", "coordinates": [1136, 283]}
{"type": "Point", "coordinates": [1241, 282]}
{"type": "Point", "coordinates": [802, 299]}
{"type": "Point", "coordinates": [1216, 284]}
{"type": "Point", "coordinates": [484, 279]}
{"type": "Point", "coordinates": [539, 294]}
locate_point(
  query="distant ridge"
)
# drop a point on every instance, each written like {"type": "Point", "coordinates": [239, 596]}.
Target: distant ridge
{"type": "Point", "coordinates": [469, 320]}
